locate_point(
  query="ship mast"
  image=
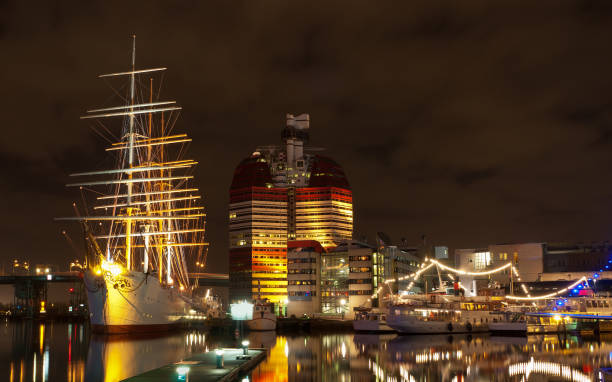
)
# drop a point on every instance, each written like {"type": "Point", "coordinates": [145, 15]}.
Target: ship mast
{"type": "Point", "coordinates": [149, 207]}
{"type": "Point", "coordinates": [128, 228]}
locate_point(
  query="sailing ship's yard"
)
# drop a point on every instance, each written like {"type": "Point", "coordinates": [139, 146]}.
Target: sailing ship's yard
{"type": "Point", "coordinates": [203, 367]}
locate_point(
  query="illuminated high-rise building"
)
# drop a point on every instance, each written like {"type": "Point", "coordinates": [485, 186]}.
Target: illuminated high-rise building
{"type": "Point", "coordinates": [279, 193]}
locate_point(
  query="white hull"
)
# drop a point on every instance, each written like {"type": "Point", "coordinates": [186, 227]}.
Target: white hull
{"type": "Point", "coordinates": [516, 327]}
{"type": "Point", "coordinates": [371, 326]}
{"type": "Point", "coordinates": [411, 325]}
{"type": "Point", "coordinates": [262, 323]}
{"type": "Point", "coordinates": [132, 302]}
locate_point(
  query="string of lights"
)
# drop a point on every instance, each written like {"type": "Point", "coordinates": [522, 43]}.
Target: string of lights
{"type": "Point", "coordinates": [560, 291]}
{"type": "Point", "coordinates": [432, 262]}
{"type": "Point", "coordinates": [462, 272]}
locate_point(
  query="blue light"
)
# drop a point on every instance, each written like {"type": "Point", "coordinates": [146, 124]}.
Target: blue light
{"type": "Point", "coordinates": [596, 275]}
{"type": "Point", "coordinates": [575, 290]}
{"type": "Point", "coordinates": [580, 286]}
{"type": "Point", "coordinates": [560, 303]}
{"type": "Point", "coordinates": [607, 266]}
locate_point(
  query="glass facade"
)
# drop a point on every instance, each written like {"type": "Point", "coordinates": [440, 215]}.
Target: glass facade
{"type": "Point", "coordinates": [334, 283]}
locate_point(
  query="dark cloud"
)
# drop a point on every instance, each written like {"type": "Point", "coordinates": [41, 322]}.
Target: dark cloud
{"type": "Point", "coordinates": [473, 122]}
{"type": "Point", "coordinates": [468, 178]}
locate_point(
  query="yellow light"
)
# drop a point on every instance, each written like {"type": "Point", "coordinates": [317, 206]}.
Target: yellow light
{"type": "Point", "coordinates": [46, 270]}
{"type": "Point", "coordinates": [42, 307]}
{"type": "Point", "coordinates": [461, 272]}
{"type": "Point", "coordinates": [557, 318]}
{"type": "Point", "coordinates": [98, 271]}
{"type": "Point", "coordinates": [114, 268]}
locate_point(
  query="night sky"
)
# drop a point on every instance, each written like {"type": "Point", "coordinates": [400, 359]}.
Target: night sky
{"type": "Point", "coordinates": [473, 123]}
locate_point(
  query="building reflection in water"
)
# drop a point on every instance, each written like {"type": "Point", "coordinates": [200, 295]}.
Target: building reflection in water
{"type": "Point", "coordinates": [34, 351]}
{"type": "Point", "coordinates": [309, 358]}
{"type": "Point", "coordinates": [389, 358]}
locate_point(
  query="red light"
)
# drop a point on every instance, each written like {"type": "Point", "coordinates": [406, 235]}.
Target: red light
{"type": "Point", "coordinates": [71, 290]}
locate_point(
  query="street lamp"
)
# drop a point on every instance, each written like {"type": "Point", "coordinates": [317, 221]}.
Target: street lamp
{"type": "Point", "coordinates": [182, 372]}
{"type": "Point", "coordinates": [219, 357]}
{"type": "Point", "coordinates": [245, 347]}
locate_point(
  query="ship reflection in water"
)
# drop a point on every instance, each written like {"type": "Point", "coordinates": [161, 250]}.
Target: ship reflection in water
{"type": "Point", "coordinates": [33, 351]}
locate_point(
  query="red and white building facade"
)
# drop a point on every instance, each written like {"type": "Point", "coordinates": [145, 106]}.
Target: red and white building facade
{"type": "Point", "coordinates": [278, 194]}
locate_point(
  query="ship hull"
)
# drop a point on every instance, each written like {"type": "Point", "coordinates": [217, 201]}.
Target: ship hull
{"type": "Point", "coordinates": [133, 302]}
{"type": "Point", "coordinates": [372, 326]}
{"type": "Point", "coordinates": [261, 324]}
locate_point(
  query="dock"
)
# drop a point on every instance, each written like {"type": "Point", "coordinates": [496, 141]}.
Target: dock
{"type": "Point", "coordinates": [203, 367]}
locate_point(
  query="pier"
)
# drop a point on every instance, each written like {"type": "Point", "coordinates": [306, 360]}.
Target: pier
{"type": "Point", "coordinates": [204, 367]}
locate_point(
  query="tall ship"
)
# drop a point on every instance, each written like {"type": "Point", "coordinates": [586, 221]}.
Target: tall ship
{"type": "Point", "coordinates": [145, 224]}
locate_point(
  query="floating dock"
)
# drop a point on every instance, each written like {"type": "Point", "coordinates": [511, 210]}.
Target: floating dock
{"type": "Point", "coordinates": [203, 367]}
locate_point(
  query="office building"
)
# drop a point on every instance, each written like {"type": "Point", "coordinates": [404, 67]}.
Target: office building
{"type": "Point", "coordinates": [283, 193]}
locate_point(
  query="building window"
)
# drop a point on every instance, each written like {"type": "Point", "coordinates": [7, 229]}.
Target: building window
{"type": "Point", "coordinates": [482, 260]}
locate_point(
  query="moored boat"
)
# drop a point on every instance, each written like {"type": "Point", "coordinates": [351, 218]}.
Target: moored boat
{"type": "Point", "coordinates": [144, 225]}
{"type": "Point", "coordinates": [372, 321]}
{"type": "Point", "coordinates": [264, 317]}
{"type": "Point", "coordinates": [443, 314]}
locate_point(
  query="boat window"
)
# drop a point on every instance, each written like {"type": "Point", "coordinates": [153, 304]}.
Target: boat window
{"type": "Point", "coordinates": [383, 318]}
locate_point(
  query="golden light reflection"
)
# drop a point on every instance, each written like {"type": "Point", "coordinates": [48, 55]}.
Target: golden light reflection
{"type": "Point", "coordinates": [41, 336]}
{"type": "Point", "coordinates": [275, 367]}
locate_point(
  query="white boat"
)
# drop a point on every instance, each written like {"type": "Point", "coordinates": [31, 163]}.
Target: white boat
{"type": "Point", "coordinates": [144, 224]}
{"type": "Point", "coordinates": [509, 322]}
{"type": "Point", "coordinates": [508, 326]}
{"type": "Point", "coordinates": [443, 314]}
{"type": "Point", "coordinates": [264, 317]}
{"type": "Point", "coordinates": [375, 322]}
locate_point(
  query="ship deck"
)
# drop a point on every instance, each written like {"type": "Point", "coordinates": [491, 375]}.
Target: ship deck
{"type": "Point", "coordinates": [203, 367]}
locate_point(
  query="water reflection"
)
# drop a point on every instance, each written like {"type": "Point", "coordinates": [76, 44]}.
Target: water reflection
{"type": "Point", "coordinates": [51, 351]}
{"type": "Point", "coordinates": [391, 358]}
{"type": "Point", "coordinates": [31, 351]}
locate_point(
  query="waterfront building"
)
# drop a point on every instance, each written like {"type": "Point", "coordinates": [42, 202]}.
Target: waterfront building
{"type": "Point", "coordinates": [526, 257]}
{"type": "Point", "coordinates": [398, 262]}
{"type": "Point", "coordinates": [577, 257]}
{"type": "Point", "coordinates": [280, 193]}
{"type": "Point", "coordinates": [333, 281]}
{"type": "Point", "coordinates": [541, 266]}
{"type": "Point", "coordinates": [303, 277]}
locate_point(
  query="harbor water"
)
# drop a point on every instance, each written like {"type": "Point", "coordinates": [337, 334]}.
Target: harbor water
{"type": "Point", "coordinates": [52, 351]}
